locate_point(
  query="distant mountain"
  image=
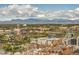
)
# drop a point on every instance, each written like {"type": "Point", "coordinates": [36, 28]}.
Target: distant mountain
{"type": "Point", "coordinates": [40, 21]}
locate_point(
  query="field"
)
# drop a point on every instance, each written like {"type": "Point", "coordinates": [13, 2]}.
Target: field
{"type": "Point", "coordinates": [39, 39]}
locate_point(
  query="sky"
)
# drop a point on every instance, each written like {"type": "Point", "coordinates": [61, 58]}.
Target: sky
{"type": "Point", "coordinates": [51, 6]}
{"type": "Point", "coordinates": [57, 6]}
{"type": "Point", "coordinates": [47, 11]}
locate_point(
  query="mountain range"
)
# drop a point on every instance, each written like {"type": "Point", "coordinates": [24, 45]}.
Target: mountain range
{"type": "Point", "coordinates": [40, 21]}
{"type": "Point", "coordinates": [28, 14]}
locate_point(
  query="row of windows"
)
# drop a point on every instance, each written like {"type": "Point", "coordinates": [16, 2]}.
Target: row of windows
{"type": "Point", "coordinates": [73, 42]}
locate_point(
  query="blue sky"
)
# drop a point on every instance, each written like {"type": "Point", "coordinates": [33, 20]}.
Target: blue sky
{"type": "Point", "coordinates": [58, 6]}
{"type": "Point", "coordinates": [51, 6]}
{"type": "Point", "coordinates": [62, 11]}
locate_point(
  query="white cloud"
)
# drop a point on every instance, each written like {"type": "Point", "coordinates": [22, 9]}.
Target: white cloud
{"type": "Point", "coordinates": [41, 15]}
{"type": "Point", "coordinates": [28, 6]}
{"type": "Point", "coordinates": [18, 11]}
{"type": "Point", "coordinates": [26, 11]}
{"type": "Point", "coordinates": [77, 9]}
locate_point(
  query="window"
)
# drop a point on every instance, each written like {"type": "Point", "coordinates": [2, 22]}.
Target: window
{"type": "Point", "coordinates": [73, 42]}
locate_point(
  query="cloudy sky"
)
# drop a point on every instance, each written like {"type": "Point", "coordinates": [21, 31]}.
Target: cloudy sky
{"type": "Point", "coordinates": [49, 11]}
{"type": "Point", "coordinates": [49, 6]}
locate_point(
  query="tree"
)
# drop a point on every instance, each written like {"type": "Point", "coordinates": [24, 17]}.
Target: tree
{"type": "Point", "coordinates": [11, 44]}
{"type": "Point", "coordinates": [12, 48]}
{"type": "Point", "coordinates": [27, 39]}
